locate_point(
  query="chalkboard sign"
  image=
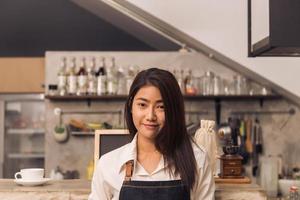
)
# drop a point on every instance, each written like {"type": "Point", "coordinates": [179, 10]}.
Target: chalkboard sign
{"type": "Point", "coordinates": [111, 142]}
{"type": "Point", "coordinates": [108, 140]}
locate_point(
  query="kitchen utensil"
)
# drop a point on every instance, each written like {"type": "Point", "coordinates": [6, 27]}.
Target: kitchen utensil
{"type": "Point", "coordinates": [243, 152]}
{"type": "Point", "coordinates": [249, 145]}
{"type": "Point", "coordinates": [257, 143]}
{"type": "Point", "coordinates": [259, 139]}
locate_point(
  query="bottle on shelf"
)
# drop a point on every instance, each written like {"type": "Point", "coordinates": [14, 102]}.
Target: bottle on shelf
{"type": "Point", "coordinates": [190, 86]}
{"type": "Point", "coordinates": [91, 77]}
{"type": "Point", "coordinates": [101, 77]}
{"type": "Point", "coordinates": [121, 81]}
{"type": "Point", "coordinates": [62, 77]}
{"type": "Point", "coordinates": [82, 78]}
{"type": "Point", "coordinates": [71, 77]}
{"type": "Point", "coordinates": [240, 85]}
{"type": "Point", "coordinates": [52, 90]}
{"type": "Point", "coordinates": [179, 75]}
{"type": "Point", "coordinates": [129, 78]}
{"type": "Point", "coordinates": [217, 85]}
{"type": "Point", "coordinates": [111, 77]}
{"type": "Point", "coordinates": [207, 83]}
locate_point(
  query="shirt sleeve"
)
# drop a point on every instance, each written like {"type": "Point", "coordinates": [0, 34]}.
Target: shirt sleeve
{"type": "Point", "coordinates": [100, 189]}
{"type": "Point", "coordinates": [204, 188]}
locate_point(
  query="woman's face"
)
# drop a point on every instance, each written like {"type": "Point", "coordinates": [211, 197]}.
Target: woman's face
{"type": "Point", "coordinates": [148, 112]}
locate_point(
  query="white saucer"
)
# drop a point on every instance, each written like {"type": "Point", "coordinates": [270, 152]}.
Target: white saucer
{"type": "Point", "coordinates": [31, 182]}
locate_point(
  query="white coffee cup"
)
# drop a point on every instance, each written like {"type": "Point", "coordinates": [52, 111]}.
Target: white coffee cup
{"type": "Point", "coordinates": [30, 174]}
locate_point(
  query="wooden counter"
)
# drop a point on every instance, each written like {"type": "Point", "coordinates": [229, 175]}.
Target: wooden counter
{"type": "Point", "coordinates": [79, 190]}
{"type": "Point", "coordinates": [239, 191]}
{"type": "Point", "coordinates": [76, 189]}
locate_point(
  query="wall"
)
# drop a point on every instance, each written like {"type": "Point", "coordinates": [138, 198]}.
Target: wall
{"type": "Point", "coordinates": [278, 130]}
{"type": "Point", "coordinates": [29, 28]}
{"type": "Point", "coordinates": [222, 25]}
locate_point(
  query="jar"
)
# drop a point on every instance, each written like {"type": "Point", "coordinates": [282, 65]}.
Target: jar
{"type": "Point", "coordinates": [207, 81]}
{"type": "Point", "coordinates": [217, 86]}
{"type": "Point", "coordinates": [52, 90]}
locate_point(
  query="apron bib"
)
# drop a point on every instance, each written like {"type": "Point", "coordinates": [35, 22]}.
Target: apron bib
{"type": "Point", "coordinates": [151, 190]}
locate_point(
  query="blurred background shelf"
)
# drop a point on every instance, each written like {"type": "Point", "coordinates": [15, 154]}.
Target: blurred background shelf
{"type": "Point", "coordinates": [84, 98]}
{"type": "Point", "coordinates": [81, 133]}
{"type": "Point", "coordinates": [26, 155]}
{"type": "Point", "coordinates": [187, 97]}
{"type": "Point", "coordinates": [26, 131]}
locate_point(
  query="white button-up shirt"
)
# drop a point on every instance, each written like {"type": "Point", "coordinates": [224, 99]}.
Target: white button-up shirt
{"type": "Point", "coordinates": [110, 172]}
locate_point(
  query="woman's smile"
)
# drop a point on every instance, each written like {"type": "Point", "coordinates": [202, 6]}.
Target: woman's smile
{"type": "Point", "coordinates": [151, 126]}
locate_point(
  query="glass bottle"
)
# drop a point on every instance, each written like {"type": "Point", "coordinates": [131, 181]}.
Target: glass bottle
{"type": "Point", "coordinates": [91, 78]}
{"type": "Point", "coordinates": [71, 77]}
{"type": "Point", "coordinates": [217, 86]}
{"type": "Point", "coordinates": [62, 77]}
{"type": "Point", "coordinates": [190, 86]}
{"type": "Point", "coordinates": [101, 78]}
{"type": "Point", "coordinates": [121, 81]}
{"type": "Point", "coordinates": [207, 83]}
{"type": "Point", "coordinates": [82, 78]}
{"type": "Point", "coordinates": [180, 79]}
{"type": "Point", "coordinates": [129, 78]}
{"type": "Point", "coordinates": [111, 77]}
{"type": "Point", "coordinates": [240, 85]}
{"type": "Point", "coordinates": [52, 90]}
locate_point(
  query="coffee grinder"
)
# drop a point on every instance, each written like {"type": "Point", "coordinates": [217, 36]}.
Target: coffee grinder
{"type": "Point", "coordinates": [231, 161]}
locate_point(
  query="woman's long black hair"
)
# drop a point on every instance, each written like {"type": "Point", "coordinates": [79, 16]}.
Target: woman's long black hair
{"type": "Point", "coordinates": [173, 141]}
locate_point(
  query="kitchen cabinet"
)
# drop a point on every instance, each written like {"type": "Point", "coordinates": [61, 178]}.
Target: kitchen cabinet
{"type": "Point", "coordinates": [22, 133]}
{"type": "Point", "coordinates": [22, 75]}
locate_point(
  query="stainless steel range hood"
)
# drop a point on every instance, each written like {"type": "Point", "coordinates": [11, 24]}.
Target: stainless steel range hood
{"type": "Point", "coordinates": [284, 29]}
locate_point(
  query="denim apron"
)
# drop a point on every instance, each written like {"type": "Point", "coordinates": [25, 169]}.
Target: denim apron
{"type": "Point", "coordinates": [151, 190]}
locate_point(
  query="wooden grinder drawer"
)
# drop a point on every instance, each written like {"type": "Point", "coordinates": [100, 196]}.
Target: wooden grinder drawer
{"type": "Point", "coordinates": [232, 171]}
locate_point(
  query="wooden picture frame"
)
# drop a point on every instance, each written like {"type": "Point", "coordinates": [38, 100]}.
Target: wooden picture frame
{"type": "Point", "coordinates": [106, 132]}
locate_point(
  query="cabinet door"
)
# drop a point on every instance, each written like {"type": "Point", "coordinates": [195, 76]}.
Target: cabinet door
{"type": "Point", "coordinates": [22, 75]}
{"type": "Point", "coordinates": [2, 108]}
{"type": "Point", "coordinates": [24, 134]}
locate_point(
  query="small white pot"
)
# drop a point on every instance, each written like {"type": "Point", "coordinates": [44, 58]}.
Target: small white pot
{"type": "Point", "coordinates": [61, 137]}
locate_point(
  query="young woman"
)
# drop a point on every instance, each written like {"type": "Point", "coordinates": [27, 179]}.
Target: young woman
{"type": "Point", "coordinates": [162, 162]}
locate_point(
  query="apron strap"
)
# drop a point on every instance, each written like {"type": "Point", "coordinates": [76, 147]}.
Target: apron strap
{"type": "Point", "coordinates": [129, 170]}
